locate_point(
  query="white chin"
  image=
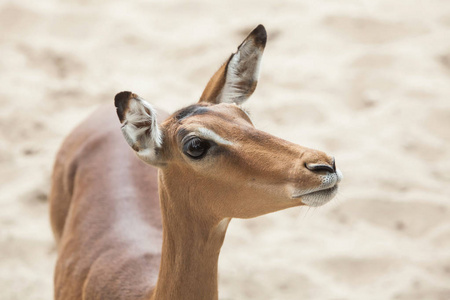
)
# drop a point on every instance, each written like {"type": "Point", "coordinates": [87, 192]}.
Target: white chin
{"type": "Point", "coordinates": [319, 198]}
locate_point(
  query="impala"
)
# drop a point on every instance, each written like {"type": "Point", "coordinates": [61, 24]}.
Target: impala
{"type": "Point", "coordinates": [148, 222]}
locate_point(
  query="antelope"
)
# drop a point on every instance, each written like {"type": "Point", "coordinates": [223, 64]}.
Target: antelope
{"type": "Point", "coordinates": [149, 222]}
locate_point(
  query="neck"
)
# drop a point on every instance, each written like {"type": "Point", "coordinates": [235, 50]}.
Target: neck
{"type": "Point", "coordinates": [191, 247]}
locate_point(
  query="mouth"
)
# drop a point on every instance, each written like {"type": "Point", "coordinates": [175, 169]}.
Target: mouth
{"type": "Point", "coordinates": [323, 194]}
{"type": "Point", "coordinates": [319, 198]}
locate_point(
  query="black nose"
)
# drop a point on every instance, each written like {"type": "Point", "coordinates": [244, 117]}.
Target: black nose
{"type": "Point", "coordinates": [321, 167]}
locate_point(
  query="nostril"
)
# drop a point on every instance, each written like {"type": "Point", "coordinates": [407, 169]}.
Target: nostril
{"type": "Point", "coordinates": [321, 167]}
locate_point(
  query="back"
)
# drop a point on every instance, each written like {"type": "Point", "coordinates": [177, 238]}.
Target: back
{"type": "Point", "coordinates": [105, 214]}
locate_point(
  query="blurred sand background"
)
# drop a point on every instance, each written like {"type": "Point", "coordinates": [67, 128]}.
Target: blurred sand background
{"type": "Point", "coordinates": [366, 81]}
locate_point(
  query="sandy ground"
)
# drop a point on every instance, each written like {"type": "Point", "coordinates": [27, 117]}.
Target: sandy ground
{"type": "Point", "coordinates": [367, 81]}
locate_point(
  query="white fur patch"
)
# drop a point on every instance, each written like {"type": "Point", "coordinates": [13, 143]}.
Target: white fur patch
{"type": "Point", "coordinates": [248, 54]}
{"type": "Point", "coordinates": [211, 135]}
{"type": "Point", "coordinates": [140, 112]}
{"type": "Point", "coordinates": [319, 198]}
{"type": "Point", "coordinates": [323, 193]}
{"type": "Point", "coordinates": [340, 176]}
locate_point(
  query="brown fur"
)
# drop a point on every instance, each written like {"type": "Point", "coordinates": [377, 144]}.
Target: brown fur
{"type": "Point", "coordinates": [126, 231]}
{"type": "Point", "coordinates": [105, 215]}
{"type": "Point", "coordinates": [215, 85]}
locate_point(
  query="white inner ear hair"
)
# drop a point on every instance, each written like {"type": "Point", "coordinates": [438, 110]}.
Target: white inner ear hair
{"type": "Point", "coordinates": [211, 135]}
{"type": "Point", "coordinates": [244, 66]}
{"type": "Point", "coordinates": [140, 113]}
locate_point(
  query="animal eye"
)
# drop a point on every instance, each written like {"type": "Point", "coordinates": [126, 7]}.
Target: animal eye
{"type": "Point", "coordinates": [196, 148]}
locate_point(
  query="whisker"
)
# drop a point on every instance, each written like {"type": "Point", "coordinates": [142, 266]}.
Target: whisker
{"type": "Point", "coordinates": [307, 211]}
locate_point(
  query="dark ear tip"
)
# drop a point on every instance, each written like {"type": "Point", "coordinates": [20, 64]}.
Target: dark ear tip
{"type": "Point", "coordinates": [121, 103]}
{"type": "Point", "coordinates": [121, 97]}
{"type": "Point", "coordinates": [260, 27]}
{"type": "Point", "coordinates": [260, 35]}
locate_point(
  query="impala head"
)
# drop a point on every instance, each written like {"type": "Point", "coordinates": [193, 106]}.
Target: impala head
{"type": "Point", "coordinates": [212, 152]}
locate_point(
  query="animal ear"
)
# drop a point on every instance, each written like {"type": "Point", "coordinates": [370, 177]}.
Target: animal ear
{"type": "Point", "coordinates": [236, 80]}
{"type": "Point", "coordinates": [139, 126]}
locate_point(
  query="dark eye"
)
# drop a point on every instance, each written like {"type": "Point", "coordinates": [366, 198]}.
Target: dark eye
{"type": "Point", "coordinates": [196, 147]}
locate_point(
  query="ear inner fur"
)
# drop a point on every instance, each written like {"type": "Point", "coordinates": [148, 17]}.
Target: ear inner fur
{"type": "Point", "coordinates": [236, 80]}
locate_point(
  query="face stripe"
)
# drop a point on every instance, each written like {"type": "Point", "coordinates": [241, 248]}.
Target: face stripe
{"type": "Point", "coordinates": [211, 135]}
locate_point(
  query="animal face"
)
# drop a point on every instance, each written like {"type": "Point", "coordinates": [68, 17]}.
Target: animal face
{"type": "Point", "coordinates": [212, 151]}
